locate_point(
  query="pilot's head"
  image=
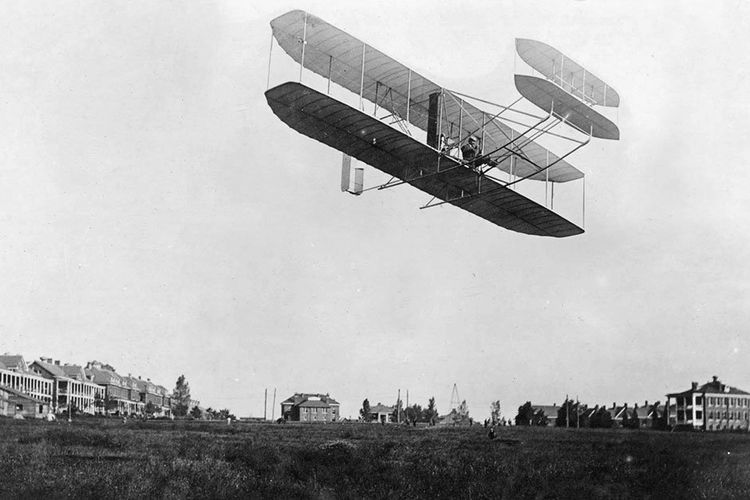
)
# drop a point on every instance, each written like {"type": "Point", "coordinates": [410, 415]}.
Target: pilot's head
{"type": "Point", "coordinates": [472, 140]}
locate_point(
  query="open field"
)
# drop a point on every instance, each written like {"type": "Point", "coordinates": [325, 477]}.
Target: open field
{"type": "Point", "coordinates": [104, 457]}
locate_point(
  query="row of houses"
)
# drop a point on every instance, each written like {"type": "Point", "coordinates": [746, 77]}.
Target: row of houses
{"type": "Point", "coordinates": [48, 386]}
{"type": "Point", "coordinates": [576, 414]}
{"type": "Point", "coordinates": [713, 406]}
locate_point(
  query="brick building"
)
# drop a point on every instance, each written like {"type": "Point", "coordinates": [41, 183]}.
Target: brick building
{"type": "Point", "coordinates": [303, 407]}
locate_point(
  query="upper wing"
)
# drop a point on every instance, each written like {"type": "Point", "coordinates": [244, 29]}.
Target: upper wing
{"type": "Point", "coordinates": [331, 52]}
{"type": "Point", "coordinates": [368, 139]}
{"type": "Point", "coordinates": [567, 73]}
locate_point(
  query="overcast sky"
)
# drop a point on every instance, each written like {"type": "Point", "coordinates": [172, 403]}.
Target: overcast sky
{"type": "Point", "coordinates": [156, 215]}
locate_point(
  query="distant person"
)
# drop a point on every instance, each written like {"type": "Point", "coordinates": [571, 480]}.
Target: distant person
{"type": "Point", "coordinates": [491, 434]}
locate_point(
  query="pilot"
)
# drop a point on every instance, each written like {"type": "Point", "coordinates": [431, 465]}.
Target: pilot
{"type": "Point", "coordinates": [470, 151]}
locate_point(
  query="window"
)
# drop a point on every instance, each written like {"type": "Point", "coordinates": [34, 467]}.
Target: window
{"type": "Point", "coordinates": [699, 415]}
{"type": "Point", "coordinates": [710, 414]}
{"type": "Point", "coordinates": [699, 400]}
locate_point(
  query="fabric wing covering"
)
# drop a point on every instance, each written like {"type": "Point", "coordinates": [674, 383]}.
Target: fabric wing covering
{"type": "Point", "coordinates": [570, 75]}
{"type": "Point", "coordinates": [331, 52]}
{"type": "Point", "coordinates": [376, 143]}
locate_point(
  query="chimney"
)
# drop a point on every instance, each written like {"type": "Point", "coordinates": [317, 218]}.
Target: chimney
{"type": "Point", "coordinates": [645, 403]}
{"type": "Point", "coordinates": [694, 385]}
{"type": "Point", "coordinates": [716, 379]}
{"type": "Point", "coordinates": [57, 362]}
{"type": "Point", "coordinates": [614, 405]}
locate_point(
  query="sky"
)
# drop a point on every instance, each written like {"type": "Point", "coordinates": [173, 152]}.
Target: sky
{"type": "Point", "coordinates": [156, 215]}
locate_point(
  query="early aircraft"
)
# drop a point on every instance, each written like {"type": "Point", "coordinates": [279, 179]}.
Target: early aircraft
{"type": "Point", "coordinates": [407, 104]}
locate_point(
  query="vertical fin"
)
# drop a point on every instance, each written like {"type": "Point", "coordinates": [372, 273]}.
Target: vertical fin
{"type": "Point", "coordinates": [359, 180]}
{"type": "Point", "coordinates": [346, 168]}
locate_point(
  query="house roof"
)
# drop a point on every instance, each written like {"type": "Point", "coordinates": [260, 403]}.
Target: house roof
{"type": "Point", "coordinates": [51, 368]}
{"type": "Point", "coordinates": [106, 377]}
{"type": "Point", "coordinates": [379, 408]}
{"type": "Point", "coordinates": [2, 366]}
{"type": "Point", "coordinates": [713, 387]}
{"type": "Point", "coordinates": [74, 371]}
{"type": "Point", "coordinates": [13, 362]}
{"type": "Point", "coordinates": [550, 411]}
{"type": "Point", "coordinates": [300, 397]}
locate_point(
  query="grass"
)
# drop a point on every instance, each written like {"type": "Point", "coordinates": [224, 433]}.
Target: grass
{"type": "Point", "coordinates": [100, 457]}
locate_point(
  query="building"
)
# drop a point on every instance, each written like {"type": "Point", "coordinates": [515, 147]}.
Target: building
{"type": "Point", "coordinates": [117, 389]}
{"type": "Point", "coordinates": [15, 374]}
{"type": "Point", "coordinates": [549, 411]}
{"type": "Point", "coordinates": [382, 414]}
{"type": "Point", "coordinates": [72, 387]}
{"type": "Point", "coordinates": [302, 407]}
{"type": "Point", "coordinates": [649, 415]}
{"type": "Point", "coordinates": [14, 403]}
{"type": "Point", "coordinates": [713, 406]}
{"type": "Point", "coordinates": [94, 389]}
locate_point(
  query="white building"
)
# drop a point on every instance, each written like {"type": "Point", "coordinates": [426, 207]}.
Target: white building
{"type": "Point", "coordinates": [713, 406]}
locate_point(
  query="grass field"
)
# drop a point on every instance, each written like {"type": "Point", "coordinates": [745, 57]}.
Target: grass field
{"type": "Point", "coordinates": [106, 458]}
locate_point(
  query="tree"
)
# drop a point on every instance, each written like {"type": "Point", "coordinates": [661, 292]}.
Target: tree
{"type": "Point", "coordinates": [539, 419]}
{"type": "Point", "coordinates": [150, 409]}
{"type": "Point", "coordinates": [431, 413]}
{"type": "Point", "coordinates": [525, 414]}
{"type": "Point", "coordinates": [566, 415]}
{"type": "Point", "coordinates": [398, 412]}
{"type": "Point", "coordinates": [225, 414]}
{"type": "Point", "coordinates": [181, 397]}
{"type": "Point", "coordinates": [414, 413]}
{"type": "Point", "coordinates": [633, 421]}
{"type": "Point", "coordinates": [658, 422]}
{"type": "Point", "coordinates": [528, 416]}
{"type": "Point", "coordinates": [364, 412]}
{"type": "Point", "coordinates": [495, 411]}
{"type": "Point", "coordinates": [110, 403]}
{"type": "Point", "coordinates": [601, 419]}
{"type": "Point", "coordinates": [98, 403]}
{"type": "Point", "coordinates": [625, 418]}
{"type": "Point", "coordinates": [196, 413]}
{"type": "Point", "coordinates": [461, 414]}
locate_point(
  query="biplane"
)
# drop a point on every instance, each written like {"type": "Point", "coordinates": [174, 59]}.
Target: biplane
{"type": "Point", "coordinates": [422, 134]}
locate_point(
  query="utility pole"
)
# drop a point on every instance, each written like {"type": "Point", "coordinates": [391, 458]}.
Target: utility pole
{"type": "Point", "coordinates": [273, 406]}
{"type": "Point", "coordinates": [398, 407]}
{"type": "Point", "coordinates": [567, 412]}
{"type": "Point", "coordinates": [265, 403]}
